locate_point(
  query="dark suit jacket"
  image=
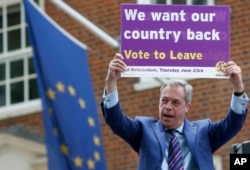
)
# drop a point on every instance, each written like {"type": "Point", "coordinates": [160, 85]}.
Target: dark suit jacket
{"type": "Point", "coordinates": [147, 136]}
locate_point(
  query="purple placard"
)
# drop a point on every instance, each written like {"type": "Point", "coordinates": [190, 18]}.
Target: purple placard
{"type": "Point", "coordinates": [175, 40]}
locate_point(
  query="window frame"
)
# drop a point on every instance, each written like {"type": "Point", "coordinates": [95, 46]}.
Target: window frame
{"type": "Point", "coordinates": [27, 106]}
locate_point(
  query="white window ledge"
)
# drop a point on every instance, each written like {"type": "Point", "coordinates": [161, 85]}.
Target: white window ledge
{"type": "Point", "coordinates": [20, 109]}
{"type": "Point", "coordinates": [217, 162]}
{"type": "Point", "coordinates": [21, 153]}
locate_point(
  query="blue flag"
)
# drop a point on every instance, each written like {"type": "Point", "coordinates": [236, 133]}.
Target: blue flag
{"type": "Point", "coordinates": [72, 128]}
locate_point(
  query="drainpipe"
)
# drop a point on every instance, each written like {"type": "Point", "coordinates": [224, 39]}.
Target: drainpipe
{"type": "Point", "coordinates": [85, 22]}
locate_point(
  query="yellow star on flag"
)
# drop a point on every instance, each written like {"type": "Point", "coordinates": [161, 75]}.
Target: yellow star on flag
{"type": "Point", "coordinates": [91, 121]}
{"type": "Point", "coordinates": [60, 87]}
{"type": "Point", "coordinates": [82, 103]}
{"type": "Point", "coordinates": [91, 164]}
{"type": "Point", "coordinates": [51, 94]}
{"type": "Point", "coordinates": [78, 161]}
{"type": "Point", "coordinates": [64, 149]}
{"type": "Point", "coordinates": [96, 140]}
{"type": "Point", "coordinates": [72, 91]}
{"type": "Point", "coordinates": [97, 156]}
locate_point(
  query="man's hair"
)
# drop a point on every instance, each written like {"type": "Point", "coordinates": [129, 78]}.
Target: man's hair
{"type": "Point", "coordinates": [176, 83]}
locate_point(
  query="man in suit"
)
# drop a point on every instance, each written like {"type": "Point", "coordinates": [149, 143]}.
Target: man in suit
{"type": "Point", "coordinates": [150, 137]}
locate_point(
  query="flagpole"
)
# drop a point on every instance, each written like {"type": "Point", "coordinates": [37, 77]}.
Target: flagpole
{"type": "Point", "coordinates": [84, 21]}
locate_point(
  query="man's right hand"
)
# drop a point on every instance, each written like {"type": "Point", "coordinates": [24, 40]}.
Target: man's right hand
{"type": "Point", "coordinates": [116, 66]}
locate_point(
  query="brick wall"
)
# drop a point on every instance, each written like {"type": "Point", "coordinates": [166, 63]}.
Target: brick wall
{"type": "Point", "coordinates": [211, 97]}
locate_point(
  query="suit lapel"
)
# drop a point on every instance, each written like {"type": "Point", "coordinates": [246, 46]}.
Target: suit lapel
{"type": "Point", "coordinates": [190, 133]}
{"type": "Point", "coordinates": [160, 134]}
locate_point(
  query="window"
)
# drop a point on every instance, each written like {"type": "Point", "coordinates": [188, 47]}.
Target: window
{"type": "Point", "coordinates": [17, 74]}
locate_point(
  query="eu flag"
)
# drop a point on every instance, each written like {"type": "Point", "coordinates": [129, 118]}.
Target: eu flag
{"type": "Point", "coordinates": [72, 128]}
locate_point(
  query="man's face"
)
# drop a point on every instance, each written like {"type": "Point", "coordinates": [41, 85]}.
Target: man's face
{"type": "Point", "coordinates": [172, 107]}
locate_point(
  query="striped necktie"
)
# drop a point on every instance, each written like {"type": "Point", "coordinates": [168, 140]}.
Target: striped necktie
{"type": "Point", "coordinates": [175, 160]}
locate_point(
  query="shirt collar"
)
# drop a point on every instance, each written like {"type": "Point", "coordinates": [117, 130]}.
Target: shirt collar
{"type": "Point", "coordinates": [179, 129]}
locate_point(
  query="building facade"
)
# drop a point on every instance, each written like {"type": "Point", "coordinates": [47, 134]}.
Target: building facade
{"type": "Point", "coordinates": [21, 127]}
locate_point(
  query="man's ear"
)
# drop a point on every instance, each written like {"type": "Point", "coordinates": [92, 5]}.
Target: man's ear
{"type": "Point", "coordinates": [187, 107]}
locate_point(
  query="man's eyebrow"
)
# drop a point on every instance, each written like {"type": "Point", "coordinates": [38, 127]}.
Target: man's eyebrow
{"type": "Point", "coordinates": [170, 98]}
